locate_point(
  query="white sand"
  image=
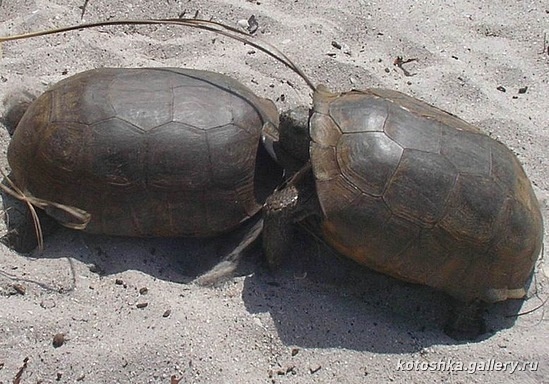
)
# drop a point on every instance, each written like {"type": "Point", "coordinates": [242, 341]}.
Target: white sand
{"type": "Point", "coordinates": [346, 326]}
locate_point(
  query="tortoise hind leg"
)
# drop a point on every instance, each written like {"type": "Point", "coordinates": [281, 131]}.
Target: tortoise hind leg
{"type": "Point", "coordinates": [466, 320]}
{"type": "Point", "coordinates": [225, 269]}
{"type": "Point", "coordinates": [21, 233]}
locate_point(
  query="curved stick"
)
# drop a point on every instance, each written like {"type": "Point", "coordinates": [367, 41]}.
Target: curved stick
{"type": "Point", "coordinates": [206, 25]}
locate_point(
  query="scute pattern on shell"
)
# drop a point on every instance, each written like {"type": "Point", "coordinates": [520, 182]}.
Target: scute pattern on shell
{"type": "Point", "coordinates": [416, 193]}
{"type": "Point", "coordinates": [148, 152]}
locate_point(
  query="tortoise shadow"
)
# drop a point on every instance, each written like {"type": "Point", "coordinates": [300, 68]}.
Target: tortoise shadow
{"type": "Point", "coordinates": [320, 300]}
{"type": "Point", "coordinates": [317, 300]}
{"type": "Point", "coordinates": [178, 260]}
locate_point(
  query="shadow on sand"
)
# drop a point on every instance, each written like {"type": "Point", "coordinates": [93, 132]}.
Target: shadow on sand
{"type": "Point", "coordinates": [316, 300]}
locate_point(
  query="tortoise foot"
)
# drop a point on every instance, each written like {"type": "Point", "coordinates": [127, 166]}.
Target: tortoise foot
{"type": "Point", "coordinates": [465, 321]}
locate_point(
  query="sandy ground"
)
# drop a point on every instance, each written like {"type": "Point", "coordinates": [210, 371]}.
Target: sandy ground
{"type": "Point", "coordinates": [320, 319]}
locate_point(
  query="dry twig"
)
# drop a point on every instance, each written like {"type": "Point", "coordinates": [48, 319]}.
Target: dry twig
{"type": "Point", "coordinates": [399, 61]}
{"type": "Point", "coordinates": [83, 8]}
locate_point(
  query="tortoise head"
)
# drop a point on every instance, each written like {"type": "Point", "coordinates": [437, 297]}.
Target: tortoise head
{"type": "Point", "coordinates": [288, 144]}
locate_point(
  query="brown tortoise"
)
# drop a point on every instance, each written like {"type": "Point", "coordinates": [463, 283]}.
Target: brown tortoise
{"type": "Point", "coordinates": [410, 191]}
{"type": "Point", "coordinates": [147, 152]}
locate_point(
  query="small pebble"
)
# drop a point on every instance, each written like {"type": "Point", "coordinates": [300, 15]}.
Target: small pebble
{"type": "Point", "coordinates": [58, 340]}
{"type": "Point", "coordinates": [20, 288]}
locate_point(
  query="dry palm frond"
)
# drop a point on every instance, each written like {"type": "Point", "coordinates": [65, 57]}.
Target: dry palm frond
{"type": "Point", "coordinates": [79, 218]}
{"type": "Point", "coordinates": [206, 25]}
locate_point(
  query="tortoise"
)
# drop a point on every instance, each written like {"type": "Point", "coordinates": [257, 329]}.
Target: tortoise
{"type": "Point", "coordinates": [410, 191]}
{"type": "Point", "coordinates": [147, 151]}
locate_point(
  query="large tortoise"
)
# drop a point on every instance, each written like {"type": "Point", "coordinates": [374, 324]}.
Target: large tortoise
{"type": "Point", "coordinates": [410, 191]}
{"type": "Point", "coordinates": [148, 152]}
